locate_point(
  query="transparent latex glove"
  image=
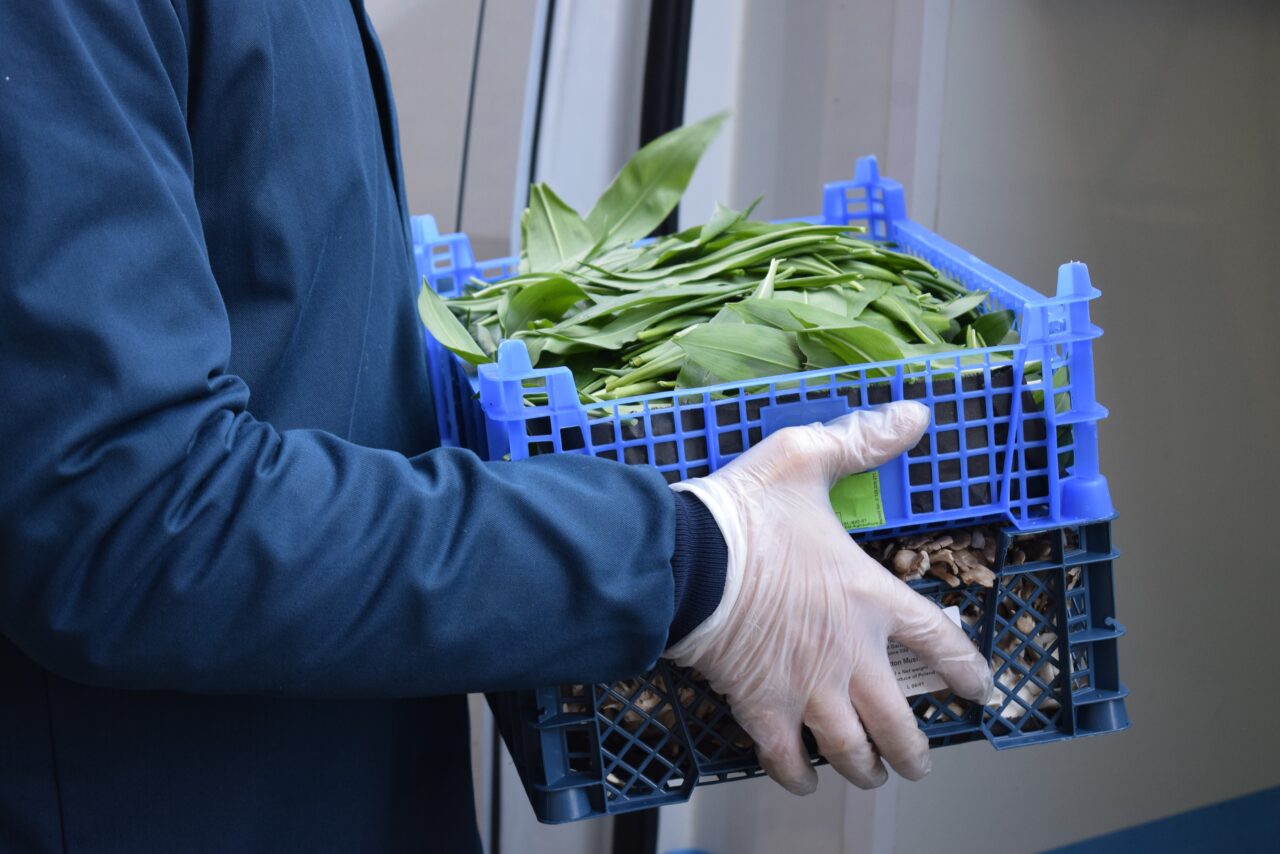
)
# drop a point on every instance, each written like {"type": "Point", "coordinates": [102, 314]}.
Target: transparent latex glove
{"type": "Point", "coordinates": [801, 633]}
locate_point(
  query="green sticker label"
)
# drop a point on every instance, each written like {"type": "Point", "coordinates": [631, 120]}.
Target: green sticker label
{"type": "Point", "coordinates": [857, 502]}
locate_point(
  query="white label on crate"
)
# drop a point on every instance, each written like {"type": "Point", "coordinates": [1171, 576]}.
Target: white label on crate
{"type": "Point", "coordinates": [914, 676]}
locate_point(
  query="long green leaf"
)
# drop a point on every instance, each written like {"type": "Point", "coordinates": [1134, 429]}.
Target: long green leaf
{"type": "Point", "coordinates": [735, 352]}
{"type": "Point", "coordinates": [547, 299]}
{"type": "Point", "coordinates": [962, 305]}
{"type": "Point", "coordinates": [446, 328]}
{"type": "Point", "coordinates": [993, 327]}
{"type": "Point", "coordinates": [859, 344]}
{"type": "Point", "coordinates": [907, 313]}
{"type": "Point", "coordinates": [554, 234]}
{"type": "Point", "coordinates": [786, 314]}
{"type": "Point", "coordinates": [649, 186]}
{"type": "Point", "coordinates": [816, 353]}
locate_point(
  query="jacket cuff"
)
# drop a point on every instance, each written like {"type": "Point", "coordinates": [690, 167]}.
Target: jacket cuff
{"type": "Point", "coordinates": [697, 566]}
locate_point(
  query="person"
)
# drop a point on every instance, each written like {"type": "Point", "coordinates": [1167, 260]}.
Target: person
{"type": "Point", "coordinates": [241, 595]}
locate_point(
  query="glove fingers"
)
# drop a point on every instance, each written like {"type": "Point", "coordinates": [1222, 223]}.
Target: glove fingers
{"type": "Point", "coordinates": [868, 438]}
{"type": "Point", "coordinates": [781, 753]}
{"type": "Point", "coordinates": [921, 626]}
{"type": "Point", "coordinates": [888, 718]}
{"type": "Point", "coordinates": [843, 741]}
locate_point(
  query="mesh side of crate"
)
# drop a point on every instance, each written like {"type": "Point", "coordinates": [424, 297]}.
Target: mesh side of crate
{"type": "Point", "coordinates": [959, 466]}
{"type": "Point", "coordinates": [644, 748]}
{"type": "Point", "coordinates": [1028, 655]}
{"type": "Point", "coordinates": [943, 713]}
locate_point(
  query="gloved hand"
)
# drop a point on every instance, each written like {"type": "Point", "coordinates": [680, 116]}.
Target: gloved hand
{"type": "Point", "coordinates": [801, 632]}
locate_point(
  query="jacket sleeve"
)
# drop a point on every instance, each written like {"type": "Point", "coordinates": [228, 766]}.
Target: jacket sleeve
{"type": "Point", "coordinates": [155, 535]}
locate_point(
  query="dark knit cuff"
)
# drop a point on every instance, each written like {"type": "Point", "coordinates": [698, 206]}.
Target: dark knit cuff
{"type": "Point", "coordinates": [698, 566]}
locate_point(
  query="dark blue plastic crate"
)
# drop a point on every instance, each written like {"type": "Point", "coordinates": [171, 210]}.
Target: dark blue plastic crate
{"type": "Point", "coordinates": [1047, 626]}
{"type": "Point", "coordinates": [1012, 441]}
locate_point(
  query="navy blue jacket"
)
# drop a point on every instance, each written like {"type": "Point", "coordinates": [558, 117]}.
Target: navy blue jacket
{"type": "Point", "coordinates": [239, 600]}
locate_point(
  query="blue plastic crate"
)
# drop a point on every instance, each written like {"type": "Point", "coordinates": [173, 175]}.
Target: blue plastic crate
{"type": "Point", "coordinates": [1013, 441]}
{"type": "Point", "coordinates": [1047, 626]}
{"type": "Point", "coordinates": [1014, 428]}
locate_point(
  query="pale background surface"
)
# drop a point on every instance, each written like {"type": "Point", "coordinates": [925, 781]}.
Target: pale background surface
{"type": "Point", "coordinates": [1140, 137]}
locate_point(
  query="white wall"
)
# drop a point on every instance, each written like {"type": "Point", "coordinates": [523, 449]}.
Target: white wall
{"type": "Point", "coordinates": [1140, 137]}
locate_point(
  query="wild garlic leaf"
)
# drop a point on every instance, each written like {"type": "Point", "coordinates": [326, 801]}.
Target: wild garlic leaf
{"type": "Point", "coordinates": [765, 289]}
{"type": "Point", "coordinates": [962, 305]}
{"type": "Point", "coordinates": [722, 219]}
{"type": "Point", "coordinates": [446, 328]}
{"type": "Point", "coordinates": [993, 327]}
{"type": "Point", "coordinates": [649, 186]}
{"type": "Point", "coordinates": [735, 352]}
{"type": "Point", "coordinates": [545, 299]}
{"type": "Point", "coordinates": [859, 345]}
{"type": "Point", "coordinates": [554, 234]}
{"type": "Point", "coordinates": [816, 353]}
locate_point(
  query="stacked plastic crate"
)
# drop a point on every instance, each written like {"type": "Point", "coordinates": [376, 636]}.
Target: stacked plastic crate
{"type": "Point", "coordinates": [1012, 444]}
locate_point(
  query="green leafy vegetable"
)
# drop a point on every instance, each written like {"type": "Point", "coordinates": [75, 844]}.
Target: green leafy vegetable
{"type": "Point", "coordinates": [446, 329]}
{"type": "Point", "coordinates": [740, 352]}
{"type": "Point", "coordinates": [650, 184]}
{"type": "Point", "coordinates": [732, 300]}
{"type": "Point", "coordinates": [554, 234]}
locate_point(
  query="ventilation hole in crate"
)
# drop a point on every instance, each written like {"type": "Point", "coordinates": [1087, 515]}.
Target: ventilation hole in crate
{"type": "Point", "coordinates": [1071, 537]}
{"type": "Point", "coordinates": [1032, 401]}
{"type": "Point", "coordinates": [753, 435]}
{"type": "Point", "coordinates": [922, 502]}
{"type": "Point", "coordinates": [730, 443]}
{"type": "Point", "coordinates": [1081, 675]}
{"type": "Point", "coordinates": [695, 449]}
{"type": "Point", "coordinates": [948, 441]}
{"type": "Point", "coordinates": [923, 448]}
{"type": "Point", "coordinates": [1037, 487]}
{"type": "Point", "coordinates": [539, 448]}
{"type": "Point", "coordinates": [979, 494]}
{"type": "Point", "coordinates": [538, 428]}
{"type": "Point", "coordinates": [665, 453]}
{"type": "Point", "coordinates": [945, 387]}
{"type": "Point", "coordinates": [914, 390]}
{"type": "Point", "coordinates": [948, 472]}
{"type": "Point", "coordinates": [951, 498]}
{"type": "Point", "coordinates": [573, 699]}
{"type": "Point", "coordinates": [979, 465]}
{"type": "Point", "coordinates": [880, 393]}
{"type": "Point", "coordinates": [674, 476]}
{"type": "Point", "coordinates": [692, 420]}
{"type": "Point", "coordinates": [577, 744]}
{"type": "Point", "coordinates": [602, 434]}
{"type": "Point", "coordinates": [1037, 458]}
{"type": "Point", "coordinates": [1001, 432]}
{"type": "Point", "coordinates": [754, 405]}
{"type": "Point", "coordinates": [635, 455]}
{"type": "Point", "coordinates": [851, 394]}
{"type": "Point", "coordinates": [662, 424]}
{"type": "Point", "coordinates": [571, 439]}
{"type": "Point", "coordinates": [920, 474]}
{"type": "Point", "coordinates": [975, 438]}
{"type": "Point", "coordinates": [944, 412]}
{"type": "Point", "coordinates": [728, 414]}
{"type": "Point", "coordinates": [975, 409]}
{"type": "Point", "coordinates": [1033, 430]}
